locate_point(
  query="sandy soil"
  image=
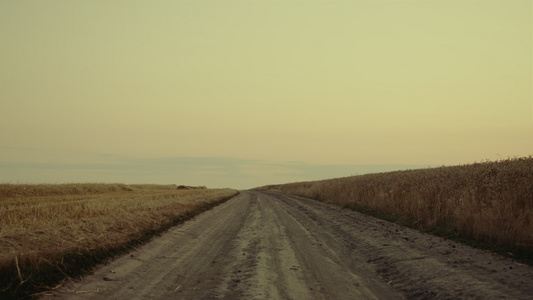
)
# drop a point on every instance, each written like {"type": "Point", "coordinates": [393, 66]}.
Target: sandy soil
{"type": "Point", "coordinates": [263, 245]}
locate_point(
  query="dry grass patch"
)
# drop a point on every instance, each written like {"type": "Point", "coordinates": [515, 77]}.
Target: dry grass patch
{"type": "Point", "coordinates": [42, 225]}
{"type": "Point", "coordinates": [490, 202]}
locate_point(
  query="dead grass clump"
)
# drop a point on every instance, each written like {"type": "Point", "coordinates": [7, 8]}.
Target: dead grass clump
{"type": "Point", "coordinates": [41, 225]}
{"type": "Point", "coordinates": [490, 202]}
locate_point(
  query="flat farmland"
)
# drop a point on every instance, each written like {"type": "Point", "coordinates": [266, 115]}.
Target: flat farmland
{"type": "Point", "coordinates": [52, 232]}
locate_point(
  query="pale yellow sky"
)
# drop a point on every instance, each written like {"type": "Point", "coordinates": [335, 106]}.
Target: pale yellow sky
{"type": "Point", "coordinates": [263, 85]}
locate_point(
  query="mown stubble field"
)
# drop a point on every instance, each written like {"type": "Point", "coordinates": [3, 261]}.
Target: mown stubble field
{"type": "Point", "coordinates": [52, 232]}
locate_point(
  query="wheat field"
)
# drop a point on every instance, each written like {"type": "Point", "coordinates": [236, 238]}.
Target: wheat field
{"type": "Point", "coordinates": [39, 224]}
{"type": "Point", "coordinates": [490, 202]}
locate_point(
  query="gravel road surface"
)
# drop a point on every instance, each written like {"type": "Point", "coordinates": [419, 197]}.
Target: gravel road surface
{"type": "Point", "coordinates": [264, 245]}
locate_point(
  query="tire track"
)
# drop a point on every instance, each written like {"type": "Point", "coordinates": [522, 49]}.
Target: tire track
{"type": "Point", "coordinates": [264, 245]}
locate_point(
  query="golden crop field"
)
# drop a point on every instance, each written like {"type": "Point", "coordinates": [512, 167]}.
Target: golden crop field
{"type": "Point", "coordinates": [42, 226]}
{"type": "Point", "coordinates": [490, 202]}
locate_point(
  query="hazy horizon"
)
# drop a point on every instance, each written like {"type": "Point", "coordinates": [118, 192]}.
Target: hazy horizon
{"type": "Point", "coordinates": [248, 93]}
{"type": "Point", "coordinates": [207, 171]}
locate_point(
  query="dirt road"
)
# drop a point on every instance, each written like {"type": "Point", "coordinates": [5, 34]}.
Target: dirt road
{"type": "Point", "coordinates": [262, 245]}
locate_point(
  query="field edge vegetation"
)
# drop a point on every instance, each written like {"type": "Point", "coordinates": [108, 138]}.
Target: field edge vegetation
{"type": "Point", "coordinates": [28, 270]}
{"type": "Point", "coordinates": [488, 205]}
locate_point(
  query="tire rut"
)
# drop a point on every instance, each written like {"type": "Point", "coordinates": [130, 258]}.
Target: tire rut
{"type": "Point", "coordinates": [265, 245]}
